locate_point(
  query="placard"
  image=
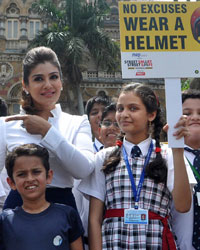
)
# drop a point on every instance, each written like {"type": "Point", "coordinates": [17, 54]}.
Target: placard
{"type": "Point", "coordinates": [160, 39]}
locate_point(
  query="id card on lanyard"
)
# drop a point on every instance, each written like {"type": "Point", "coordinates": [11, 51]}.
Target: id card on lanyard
{"type": "Point", "coordinates": [136, 215]}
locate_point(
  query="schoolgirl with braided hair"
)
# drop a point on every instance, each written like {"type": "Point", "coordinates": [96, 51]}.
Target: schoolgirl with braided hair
{"type": "Point", "coordinates": [134, 183]}
{"type": "Point", "coordinates": [156, 169]}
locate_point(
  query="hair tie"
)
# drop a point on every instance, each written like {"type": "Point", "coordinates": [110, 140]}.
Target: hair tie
{"type": "Point", "coordinates": [157, 100]}
{"type": "Point", "coordinates": [158, 150]}
{"type": "Point", "coordinates": [119, 143]}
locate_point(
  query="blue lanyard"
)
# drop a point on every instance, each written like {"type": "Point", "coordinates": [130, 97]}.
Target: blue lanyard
{"type": "Point", "coordinates": [136, 192]}
{"type": "Point", "coordinates": [95, 147]}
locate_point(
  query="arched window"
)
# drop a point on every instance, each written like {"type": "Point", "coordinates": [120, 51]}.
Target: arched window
{"type": "Point", "coordinates": [12, 23]}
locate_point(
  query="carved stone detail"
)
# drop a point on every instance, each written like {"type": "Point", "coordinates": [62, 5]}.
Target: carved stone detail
{"type": "Point", "coordinates": [6, 72]}
{"type": "Point", "coordinates": [13, 9]}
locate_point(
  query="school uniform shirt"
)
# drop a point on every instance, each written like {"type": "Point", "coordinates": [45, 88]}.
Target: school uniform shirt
{"type": "Point", "coordinates": [68, 141]}
{"type": "Point", "coordinates": [82, 202]}
{"type": "Point", "coordinates": [97, 145]}
{"type": "Point", "coordinates": [182, 223]}
{"type": "Point", "coordinates": [114, 189]}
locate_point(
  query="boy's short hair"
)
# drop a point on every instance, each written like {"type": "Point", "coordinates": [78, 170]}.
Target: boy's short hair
{"type": "Point", "coordinates": [108, 109]}
{"type": "Point", "coordinates": [190, 94]}
{"type": "Point", "coordinates": [27, 150]}
{"type": "Point", "coordinates": [104, 100]}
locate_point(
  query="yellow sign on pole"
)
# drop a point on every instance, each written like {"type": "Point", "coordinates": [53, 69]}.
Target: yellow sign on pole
{"type": "Point", "coordinates": [160, 39]}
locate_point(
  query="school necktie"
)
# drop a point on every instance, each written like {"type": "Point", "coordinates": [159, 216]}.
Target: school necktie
{"type": "Point", "coordinates": [135, 152]}
{"type": "Point", "coordinates": [196, 226]}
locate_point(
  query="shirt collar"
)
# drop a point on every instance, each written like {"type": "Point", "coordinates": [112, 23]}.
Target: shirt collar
{"type": "Point", "coordinates": [55, 112]}
{"type": "Point", "coordinates": [144, 146]}
{"type": "Point", "coordinates": [98, 144]}
{"type": "Point", "coordinates": [190, 147]}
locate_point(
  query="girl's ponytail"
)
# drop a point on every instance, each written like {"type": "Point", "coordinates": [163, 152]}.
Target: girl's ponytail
{"type": "Point", "coordinates": [114, 158]}
{"type": "Point", "coordinates": [157, 169]}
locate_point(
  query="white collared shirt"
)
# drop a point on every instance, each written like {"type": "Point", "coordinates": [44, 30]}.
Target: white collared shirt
{"type": "Point", "coordinates": [97, 145]}
{"type": "Point", "coordinates": [68, 141]}
{"type": "Point", "coordinates": [94, 185]}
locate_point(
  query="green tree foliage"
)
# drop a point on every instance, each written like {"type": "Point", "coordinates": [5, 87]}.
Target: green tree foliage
{"type": "Point", "coordinates": [76, 34]}
{"type": "Point", "coordinates": [185, 84]}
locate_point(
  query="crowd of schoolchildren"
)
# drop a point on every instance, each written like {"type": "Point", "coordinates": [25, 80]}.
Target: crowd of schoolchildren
{"type": "Point", "coordinates": [103, 180]}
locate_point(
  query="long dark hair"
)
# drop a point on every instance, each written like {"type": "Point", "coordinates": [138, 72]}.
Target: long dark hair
{"type": "Point", "coordinates": [157, 169]}
{"type": "Point", "coordinates": [34, 57]}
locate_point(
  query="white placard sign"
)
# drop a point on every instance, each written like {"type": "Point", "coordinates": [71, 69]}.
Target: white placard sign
{"type": "Point", "coordinates": [161, 40]}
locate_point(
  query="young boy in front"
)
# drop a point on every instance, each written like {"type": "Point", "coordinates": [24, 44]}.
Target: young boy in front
{"type": "Point", "coordinates": [186, 225]}
{"type": "Point", "coordinates": [37, 224]}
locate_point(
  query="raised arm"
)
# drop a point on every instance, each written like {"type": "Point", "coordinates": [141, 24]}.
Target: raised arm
{"type": "Point", "coordinates": [76, 157]}
{"type": "Point", "coordinates": [181, 192]}
{"type": "Point", "coordinates": [69, 140]}
{"type": "Point", "coordinates": [34, 124]}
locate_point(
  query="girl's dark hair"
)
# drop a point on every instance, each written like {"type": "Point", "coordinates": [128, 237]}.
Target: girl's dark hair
{"type": "Point", "coordinates": [110, 108]}
{"type": "Point", "coordinates": [104, 100]}
{"type": "Point", "coordinates": [157, 169]}
{"type": "Point", "coordinates": [27, 150]}
{"type": "Point", "coordinates": [34, 57]}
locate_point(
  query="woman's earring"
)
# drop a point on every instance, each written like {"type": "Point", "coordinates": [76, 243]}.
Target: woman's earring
{"type": "Point", "coordinates": [26, 91]}
{"type": "Point", "coordinates": [61, 89]}
{"type": "Point", "coordinates": [150, 130]}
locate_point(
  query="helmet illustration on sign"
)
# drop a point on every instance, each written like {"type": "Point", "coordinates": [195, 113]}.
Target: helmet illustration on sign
{"type": "Point", "coordinates": [195, 24]}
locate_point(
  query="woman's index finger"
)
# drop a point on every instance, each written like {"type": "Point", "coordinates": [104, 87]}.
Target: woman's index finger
{"type": "Point", "coordinates": [16, 118]}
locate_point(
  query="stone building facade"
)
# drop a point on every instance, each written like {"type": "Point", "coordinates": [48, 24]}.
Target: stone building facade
{"type": "Point", "coordinates": [19, 25]}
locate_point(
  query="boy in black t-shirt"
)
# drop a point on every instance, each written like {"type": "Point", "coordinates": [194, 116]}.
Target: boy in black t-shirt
{"type": "Point", "coordinates": [37, 224]}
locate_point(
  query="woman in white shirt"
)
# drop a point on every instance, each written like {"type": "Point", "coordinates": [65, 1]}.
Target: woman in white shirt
{"type": "Point", "coordinates": [41, 121]}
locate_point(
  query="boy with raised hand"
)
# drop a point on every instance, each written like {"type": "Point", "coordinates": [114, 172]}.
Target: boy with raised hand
{"type": "Point", "coordinates": [37, 224]}
{"type": "Point", "coordinates": [186, 226]}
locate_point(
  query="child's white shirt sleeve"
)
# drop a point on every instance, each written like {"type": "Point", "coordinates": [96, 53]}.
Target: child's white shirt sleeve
{"type": "Point", "coordinates": [94, 185]}
{"type": "Point", "coordinates": [170, 175]}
